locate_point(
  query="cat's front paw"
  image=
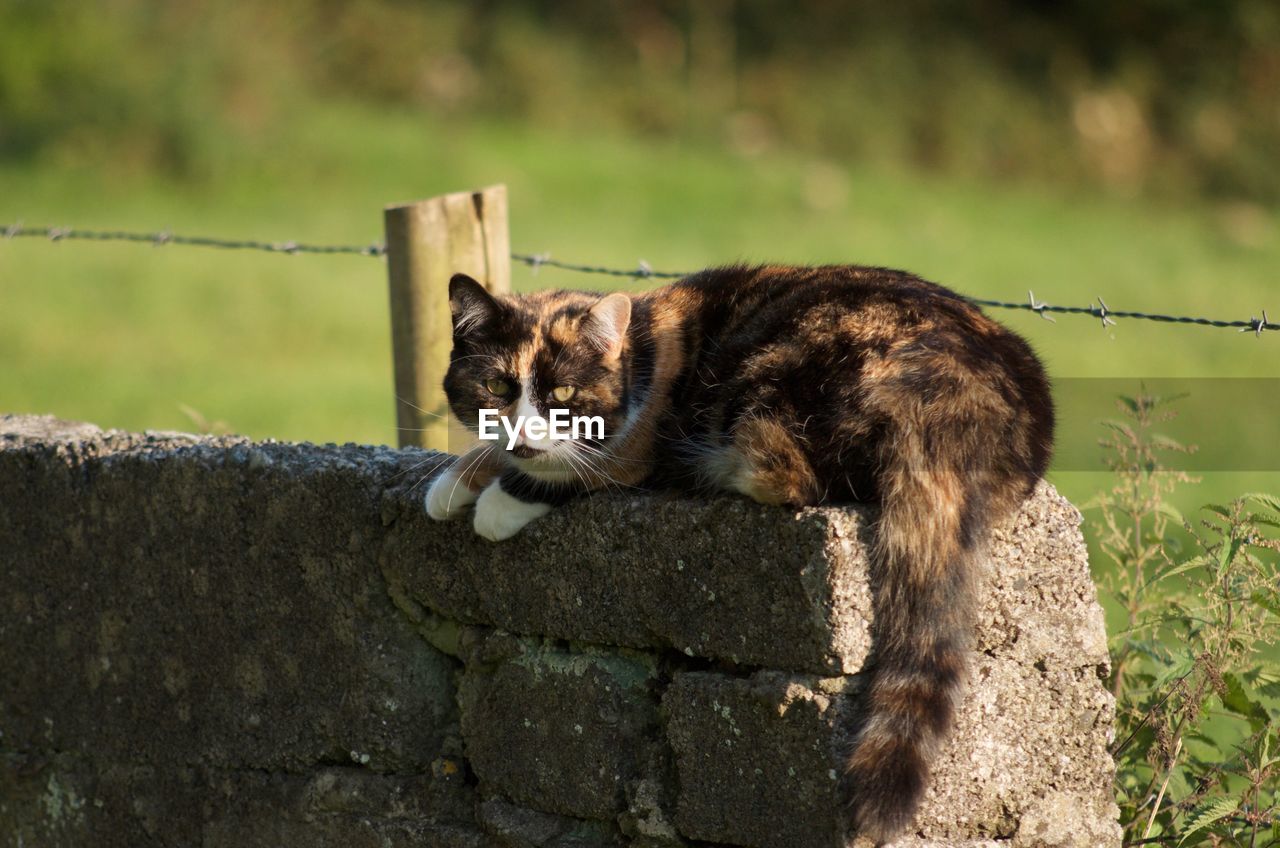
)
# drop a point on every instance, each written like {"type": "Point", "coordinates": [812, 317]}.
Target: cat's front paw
{"type": "Point", "coordinates": [448, 496]}
{"type": "Point", "coordinates": [500, 516]}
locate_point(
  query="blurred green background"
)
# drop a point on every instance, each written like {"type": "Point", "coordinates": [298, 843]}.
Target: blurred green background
{"type": "Point", "coordinates": [1123, 150]}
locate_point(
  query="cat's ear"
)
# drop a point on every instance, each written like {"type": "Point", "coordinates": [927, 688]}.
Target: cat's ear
{"type": "Point", "coordinates": [606, 323]}
{"type": "Point", "coordinates": [471, 306]}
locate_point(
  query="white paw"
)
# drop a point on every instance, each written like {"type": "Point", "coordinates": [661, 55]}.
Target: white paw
{"type": "Point", "coordinates": [448, 496]}
{"type": "Point", "coordinates": [500, 516]}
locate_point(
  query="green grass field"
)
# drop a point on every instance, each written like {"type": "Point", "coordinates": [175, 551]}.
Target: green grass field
{"type": "Point", "coordinates": [297, 347]}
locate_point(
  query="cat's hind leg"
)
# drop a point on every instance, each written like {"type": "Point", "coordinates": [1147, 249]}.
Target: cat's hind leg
{"type": "Point", "coordinates": [764, 461]}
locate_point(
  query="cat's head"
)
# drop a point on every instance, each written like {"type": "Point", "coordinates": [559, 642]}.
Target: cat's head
{"type": "Point", "coordinates": [533, 354]}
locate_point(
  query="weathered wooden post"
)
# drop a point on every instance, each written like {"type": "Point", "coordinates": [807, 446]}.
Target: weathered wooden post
{"type": "Point", "coordinates": [428, 242]}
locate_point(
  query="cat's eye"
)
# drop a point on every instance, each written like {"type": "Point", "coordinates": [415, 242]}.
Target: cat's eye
{"type": "Point", "coordinates": [563, 393]}
{"type": "Point", "coordinates": [497, 386]}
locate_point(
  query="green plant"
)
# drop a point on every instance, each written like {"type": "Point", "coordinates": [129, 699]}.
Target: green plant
{"type": "Point", "coordinates": [1195, 673]}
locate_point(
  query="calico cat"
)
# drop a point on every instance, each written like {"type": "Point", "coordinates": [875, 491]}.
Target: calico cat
{"type": "Point", "coordinates": [792, 386]}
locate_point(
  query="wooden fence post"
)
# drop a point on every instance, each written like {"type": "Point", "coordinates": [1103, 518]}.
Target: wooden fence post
{"type": "Point", "coordinates": [428, 242]}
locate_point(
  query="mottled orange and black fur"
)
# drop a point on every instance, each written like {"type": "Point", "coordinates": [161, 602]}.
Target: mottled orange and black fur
{"type": "Point", "coordinates": [795, 386]}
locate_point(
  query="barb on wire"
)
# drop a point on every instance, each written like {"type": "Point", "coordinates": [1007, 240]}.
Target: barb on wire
{"type": "Point", "coordinates": [642, 271]}
{"type": "Point", "coordinates": [1039, 308]}
{"type": "Point", "coordinates": [537, 260]}
{"type": "Point", "coordinates": [1258, 325]}
{"type": "Point", "coordinates": [1104, 313]}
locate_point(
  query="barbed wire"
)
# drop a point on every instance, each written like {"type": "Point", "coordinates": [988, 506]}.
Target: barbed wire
{"type": "Point", "coordinates": [1108, 315]}
{"type": "Point", "coordinates": [642, 271]}
{"type": "Point", "coordinates": [163, 238]}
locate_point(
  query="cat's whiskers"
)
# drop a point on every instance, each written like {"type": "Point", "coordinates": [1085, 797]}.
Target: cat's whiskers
{"type": "Point", "coordinates": [579, 471]}
{"type": "Point", "coordinates": [479, 457]}
{"type": "Point", "coordinates": [420, 429]}
{"type": "Point", "coordinates": [585, 447]}
{"type": "Point", "coordinates": [442, 460]}
{"type": "Point", "coordinates": [573, 465]}
{"type": "Point", "coordinates": [477, 356]}
{"type": "Point", "coordinates": [556, 363]}
{"type": "Point", "coordinates": [576, 466]}
{"type": "Point", "coordinates": [598, 470]}
{"type": "Point", "coordinates": [597, 475]}
{"type": "Point", "coordinates": [421, 411]}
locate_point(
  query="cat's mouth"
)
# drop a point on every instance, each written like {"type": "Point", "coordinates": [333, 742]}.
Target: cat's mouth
{"type": "Point", "coordinates": [526, 452]}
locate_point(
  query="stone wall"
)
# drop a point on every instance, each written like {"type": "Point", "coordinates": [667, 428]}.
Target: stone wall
{"type": "Point", "coordinates": [208, 641]}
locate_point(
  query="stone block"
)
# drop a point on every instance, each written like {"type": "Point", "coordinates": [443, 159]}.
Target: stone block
{"type": "Point", "coordinates": [563, 731]}
{"type": "Point", "coordinates": [721, 578]}
{"type": "Point", "coordinates": [207, 602]}
{"type": "Point", "coordinates": [65, 801]}
{"type": "Point", "coordinates": [757, 758]}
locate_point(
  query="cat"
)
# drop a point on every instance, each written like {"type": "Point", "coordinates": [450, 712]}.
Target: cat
{"type": "Point", "coordinates": [793, 386]}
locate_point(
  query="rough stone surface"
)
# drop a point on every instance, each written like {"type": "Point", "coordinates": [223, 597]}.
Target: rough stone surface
{"type": "Point", "coordinates": [756, 759]}
{"type": "Point", "coordinates": [66, 800]}
{"type": "Point", "coordinates": [191, 627]}
{"type": "Point", "coordinates": [562, 731]}
{"type": "Point", "coordinates": [211, 641]}
{"type": "Point", "coordinates": [509, 826]}
{"type": "Point", "coordinates": [722, 578]}
{"type": "Point", "coordinates": [188, 602]}
{"type": "Point", "coordinates": [750, 749]}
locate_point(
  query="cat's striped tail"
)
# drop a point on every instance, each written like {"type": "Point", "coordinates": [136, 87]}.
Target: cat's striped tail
{"type": "Point", "coordinates": [933, 516]}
